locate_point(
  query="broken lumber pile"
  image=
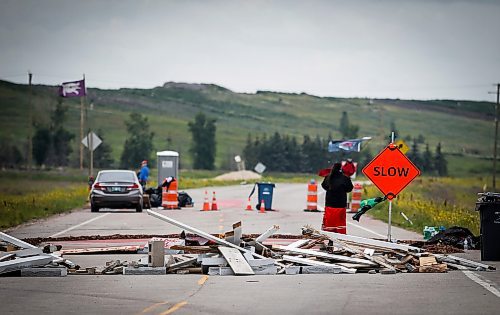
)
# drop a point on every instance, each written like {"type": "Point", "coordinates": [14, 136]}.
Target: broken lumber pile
{"type": "Point", "coordinates": [29, 260]}
{"type": "Point", "coordinates": [318, 252]}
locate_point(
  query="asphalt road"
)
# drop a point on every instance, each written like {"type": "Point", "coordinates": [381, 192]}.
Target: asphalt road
{"type": "Point", "coordinates": [455, 292]}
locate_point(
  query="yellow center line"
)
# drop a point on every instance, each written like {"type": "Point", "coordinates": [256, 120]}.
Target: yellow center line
{"type": "Point", "coordinates": [203, 280]}
{"type": "Point", "coordinates": [174, 308]}
{"type": "Point", "coordinates": [150, 308]}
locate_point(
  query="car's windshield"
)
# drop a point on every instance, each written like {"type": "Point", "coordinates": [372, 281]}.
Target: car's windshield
{"type": "Point", "coordinates": [116, 177]}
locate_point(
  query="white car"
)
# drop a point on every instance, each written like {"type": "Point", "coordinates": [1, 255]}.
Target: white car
{"type": "Point", "coordinates": [116, 189]}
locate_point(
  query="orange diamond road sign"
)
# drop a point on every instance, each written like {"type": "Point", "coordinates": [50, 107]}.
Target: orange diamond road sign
{"type": "Point", "coordinates": [391, 171]}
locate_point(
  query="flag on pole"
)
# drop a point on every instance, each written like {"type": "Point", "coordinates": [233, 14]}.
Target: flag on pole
{"type": "Point", "coordinates": [72, 89]}
{"type": "Point", "coordinates": [352, 145]}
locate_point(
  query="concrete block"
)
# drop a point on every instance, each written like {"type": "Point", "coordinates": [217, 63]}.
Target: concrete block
{"type": "Point", "coordinates": [265, 270]}
{"type": "Point", "coordinates": [214, 261]}
{"type": "Point", "coordinates": [145, 271]}
{"type": "Point", "coordinates": [292, 270]}
{"type": "Point", "coordinates": [260, 262]}
{"type": "Point", "coordinates": [44, 272]}
{"type": "Point", "coordinates": [220, 271]}
{"type": "Point", "coordinates": [320, 269]}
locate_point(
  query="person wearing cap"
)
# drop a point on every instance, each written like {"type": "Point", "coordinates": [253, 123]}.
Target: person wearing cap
{"type": "Point", "coordinates": [349, 168]}
{"type": "Point", "coordinates": [144, 173]}
{"type": "Point", "coordinates": [337, 185]}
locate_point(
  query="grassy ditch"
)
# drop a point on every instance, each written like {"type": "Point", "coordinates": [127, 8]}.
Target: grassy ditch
{"type": "Point", "coordinates": [433, 202]}
{"type": "Point", "coordinates": [16, 209]}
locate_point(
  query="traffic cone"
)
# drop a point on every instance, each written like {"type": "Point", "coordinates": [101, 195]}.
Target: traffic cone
{"type": "Point", "coordinates": [206, 204]}
{"type": "Point", "coordinates": [214, 203]}
{"type": "Point", "coordinates": [262, 207]}
{"type": "Point", "coordinates": [249, 205]}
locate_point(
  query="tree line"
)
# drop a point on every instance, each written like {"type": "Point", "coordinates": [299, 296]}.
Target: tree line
{"type": "Point", "coordinates": [52, 146]}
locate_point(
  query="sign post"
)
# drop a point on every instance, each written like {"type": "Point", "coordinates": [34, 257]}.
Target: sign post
{"type": "Point", "coordinates": [391, 171]}
{"type": "Point", "coordinates": [91, 141]}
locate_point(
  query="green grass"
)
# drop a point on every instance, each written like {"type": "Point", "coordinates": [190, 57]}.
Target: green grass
{"type": "Point", "coordinates": [429, 201]}
{"type": "Point", "coordinates": [461, 126]}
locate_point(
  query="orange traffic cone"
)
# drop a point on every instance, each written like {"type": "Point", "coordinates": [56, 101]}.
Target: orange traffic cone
{"type": "Point", "coordinates": [262, 207]}
{"type": "Point", "coordinates": [206, 204]}
{"type": "Point", "coordinates": [214, 203]}
{"type": "Point", "coordinates": [249, 205]}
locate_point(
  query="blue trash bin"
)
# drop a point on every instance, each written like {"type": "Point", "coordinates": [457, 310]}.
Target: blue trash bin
{"type": "Point", "coordinates": [266, 194]}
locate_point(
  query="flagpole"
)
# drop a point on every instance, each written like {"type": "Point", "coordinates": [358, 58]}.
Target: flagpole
{"type": "Point", "coordinates": [389, 223]}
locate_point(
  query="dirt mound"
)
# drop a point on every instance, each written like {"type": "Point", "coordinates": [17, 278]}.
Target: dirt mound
{"type": "Point", "coordinates": [239, 175]}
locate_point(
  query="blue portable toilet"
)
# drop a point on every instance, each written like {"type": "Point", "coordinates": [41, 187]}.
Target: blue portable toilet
{"type": "Point", "coordinates": [266, 194]}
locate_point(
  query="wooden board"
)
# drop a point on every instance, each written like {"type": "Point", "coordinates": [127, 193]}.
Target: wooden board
{"type": "Point", "coordinates": [427, 261]}
{"type": "Point", "coordinates": [236, 261]}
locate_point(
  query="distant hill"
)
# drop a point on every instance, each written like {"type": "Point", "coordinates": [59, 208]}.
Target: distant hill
{"type": "Point", "coordinates": [465, 128]}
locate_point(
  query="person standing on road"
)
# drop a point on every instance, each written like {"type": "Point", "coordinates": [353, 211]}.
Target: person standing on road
{"type": "Point", "coordinates": [144, 173]}
{"type": "Point", "coordinates": [337, 185]}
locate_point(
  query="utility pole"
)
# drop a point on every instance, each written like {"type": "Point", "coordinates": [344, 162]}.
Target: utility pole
{"type": "Point", "coordinates": [30, 122]}
{"type": "Point", "coordinates": [496, 138]}
{"type": "Point", "coordinates": [81, 127]}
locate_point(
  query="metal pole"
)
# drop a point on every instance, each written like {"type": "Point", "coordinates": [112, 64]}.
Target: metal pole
{"type": "Point", "coordinates": [81, 133]}
{"type": "Point", "coordinates": [91, 141]}
{"type": "Point", "coordinates": [496, 139]}
{"type": "Point", "coordinates": [389, 223]}
{"type": "Point", "coordinates": [30, 123]}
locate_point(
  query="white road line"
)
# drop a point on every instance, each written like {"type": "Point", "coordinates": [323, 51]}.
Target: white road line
{"type": "Point", "coordinates": [366, 229]}
{"type": "Point", "coordinates": [478, 279]}
{"type": "Point", "coordinates": [78, 225]}
{"type": "Point", "coordinates": [356, 225]}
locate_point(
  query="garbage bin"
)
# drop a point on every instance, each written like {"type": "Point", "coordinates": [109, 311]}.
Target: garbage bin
{"type": "Point", "coordinates": [266, 194]}
{"type": "Point", "coordinates": [488, 205]}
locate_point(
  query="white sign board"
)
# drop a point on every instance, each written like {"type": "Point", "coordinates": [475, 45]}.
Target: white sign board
{"type": "Point", "coordinates": [167, 164]}
{"type": "Point", "coordinates": [260, 168]}
{"type": "Point", "coordinates": [91, 141]}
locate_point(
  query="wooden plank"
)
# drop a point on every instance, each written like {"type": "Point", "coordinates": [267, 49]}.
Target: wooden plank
{"type": "Point", "coordinates": [315, 253]}
{"type": "Point", "coordinates": [298, 243]}
{"type": "Point", "coordinates": [264, 236]}
{"type": "Point", "coordinates": [238, 232]}
{"type": "Point", "coordinates": [19, 263]}
{"type": "Point", "coordinates": [462, 261]}
{"type": "Point", "coordinates": [15, 241]}
{"type": "Point", "coordinates": [28, 252]}
{"type": "Point", "coordinates": [203, 234]}
{"type": "Point", "coordinates": [427, 261]}
{"type": "Point", "coordinates": [310, 262]}
{"type": "Point", "coordinates": [6, 256]}
{"type": "Point", "coordinates": [98, 250]}
{"type": "Point", "coordinates": [369, 241]}
{"type": "Point", "coordinates": [433, 268]}
{"type": "Point", "coordinates": [236, 261]}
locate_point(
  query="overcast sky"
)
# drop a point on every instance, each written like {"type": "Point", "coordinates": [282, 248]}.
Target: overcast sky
{"type": "Point", "coordinates": [420, 49]}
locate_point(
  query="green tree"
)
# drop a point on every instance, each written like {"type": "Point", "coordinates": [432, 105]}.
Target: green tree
{"type": "Point", "coordinates": [440, 163]}
{"type": "Point", "coordinates": [347, 130]}
{"type": "Point", "coordinates": [414, 154]}
{"type": "Point", "coordinates": [102, 154]}
{"type": "Point", "coordinates": [42, 142]}
{"type": "Point", "coordinates": [61, 138]}
{"type": "Point", "coordinates": [427, 160]}
{"type": "Point", "coordinates": [139, 144]}
{"type": "Point", "coordinates": [203, 146]}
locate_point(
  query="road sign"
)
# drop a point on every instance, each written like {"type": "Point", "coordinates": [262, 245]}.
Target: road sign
{"type": "Point", "coordinates": [391, 171]}
{"type": "Point", "coordinates": [402, 146]}
{"type": "Point", "coordinates": [91, 140]}
{"type": "Point", "coordinates": [260, 168]}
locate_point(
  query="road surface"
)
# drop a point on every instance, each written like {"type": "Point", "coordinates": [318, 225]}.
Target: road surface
{"type": "Point", "coordinates": [455, 292]}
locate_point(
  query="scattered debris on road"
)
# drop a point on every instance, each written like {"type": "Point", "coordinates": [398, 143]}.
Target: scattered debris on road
{"type": "Point", "coordinates": [234, 253]}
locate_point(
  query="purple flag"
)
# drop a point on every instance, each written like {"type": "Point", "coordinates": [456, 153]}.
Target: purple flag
{"type": "Point", "coordinates": [72, 89]}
